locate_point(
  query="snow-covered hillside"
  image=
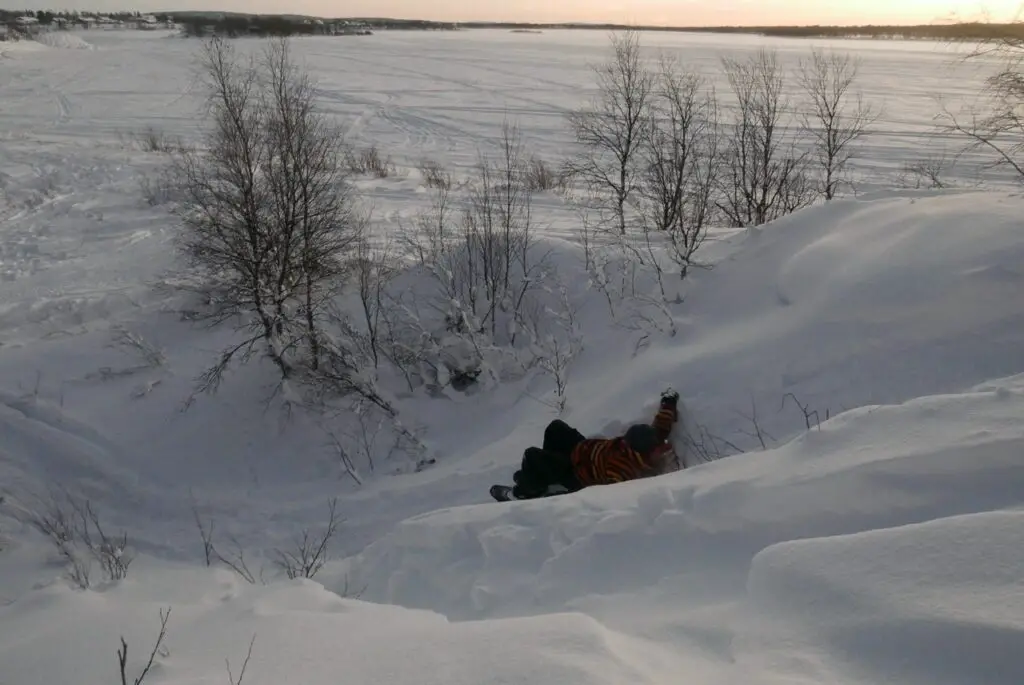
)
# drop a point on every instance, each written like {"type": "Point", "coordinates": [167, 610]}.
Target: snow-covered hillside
{"type": "Point", "coordinates": [884, 544]}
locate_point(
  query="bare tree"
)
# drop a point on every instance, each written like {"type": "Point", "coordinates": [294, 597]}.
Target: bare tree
{"type": "Point", "coordinates": [76, 531]}
{"type": "Point", "coordinates": [485, 266]}
{"type": "Point", "coordinates": [681, 161]}
{"type": "Point", "coordinates": [540, 176]}
{"type": "Point", "coordinates": [997, 128]}
{"type": "Point", "coordinates": [317, 223]}
{"type": "Point", "coordinates": [310, 553]}
{"type": "Point", "coordinates": [224, 204]}
{"type": "Point", "coordinates": [370, 162]}
{"type": "Point", "coordinates": [374, 271]}
{"type": "Point", "coordinates": [928, 172]}
{"type": "Point", "coordinates": [557, 350]}
{"type": "Point", "coordinates": [268, 216]}
{"type": "Point", "coordinates": [507, 277]}
{"type": "Point", "coordinates": [764, 175]}
{"type": "Point", "coordinates": [838, 117]}
{"type": "Point", "coordinates": [611, 129]}
{"type": "Point", "coordinates": [111, 552]}
{"type": "Point", "coordinates": [435, 175]}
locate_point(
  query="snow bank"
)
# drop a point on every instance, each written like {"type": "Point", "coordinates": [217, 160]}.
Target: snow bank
{"type": "Point", "coordinates": [869, 468]}
{"type": "Point", "coordinates": [931, 602]}
{"type": "Point", "coordinates": [860, 302]}
{"type": "Point", "coordinates": [13, 48]}
{"type": "Point", "coordinates": [885, 547]}
{"type": "Point", "coordinates": [302, 632]}
{"type": "Point", "coordinates": [847, 556]}
{"type": "Point", "coordinates": [63, 40]}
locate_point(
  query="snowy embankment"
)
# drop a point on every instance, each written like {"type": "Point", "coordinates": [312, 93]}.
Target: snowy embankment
{"type": "Point", "coordinates": [883, 546]}
{"type": "Point", "coordinates": [63, 40]}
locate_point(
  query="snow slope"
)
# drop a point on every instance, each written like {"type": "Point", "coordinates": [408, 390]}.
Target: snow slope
{"type": "Point", "coordinates": [882, 545]}
{"type": "Point", "coordinates": [885, 547]}
{"type": "Point", "coordinates": [850, 555]}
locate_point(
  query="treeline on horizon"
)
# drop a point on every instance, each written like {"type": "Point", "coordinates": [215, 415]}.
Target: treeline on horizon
{"type": "Point", "coordinates": [955, 31]}
{"type": "Point", "coordinates": [289, 24]}
{"type": "Point", "coordinates": [47, 16]}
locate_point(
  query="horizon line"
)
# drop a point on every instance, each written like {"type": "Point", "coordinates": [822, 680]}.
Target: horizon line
{"type": "Point", "coordinates": [571, 23]}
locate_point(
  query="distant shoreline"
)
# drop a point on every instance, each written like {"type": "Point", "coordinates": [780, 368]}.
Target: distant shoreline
{"type": "Point", "coordinates": [959, 31]}
{"type": "Point", "coordinates": [953, 31]}
{"type": "Point", "coordinates": [304, 24]}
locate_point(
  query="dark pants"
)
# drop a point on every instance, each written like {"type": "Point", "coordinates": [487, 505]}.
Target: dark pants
{"type": "Point", "coordinates": [550, 464]}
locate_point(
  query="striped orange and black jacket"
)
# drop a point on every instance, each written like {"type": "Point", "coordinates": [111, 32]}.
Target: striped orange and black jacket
{"type": "Point", "coordinates": [602, 461]}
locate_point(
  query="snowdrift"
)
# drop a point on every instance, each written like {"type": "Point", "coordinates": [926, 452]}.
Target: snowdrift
{"type": "Point", "coordinates": [299, 632]}
{"type": "Point", "coordinates": [860, 302]}
{"type": "Point", "coordinates": [63, 40]}
{"type": "Point", "coordinates": [883, 547]}
{"type": "Point", "coordinates": [877, 467]}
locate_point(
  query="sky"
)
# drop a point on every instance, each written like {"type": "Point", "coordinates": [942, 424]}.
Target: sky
{"type": "Point", "coordinates": [662, 12]}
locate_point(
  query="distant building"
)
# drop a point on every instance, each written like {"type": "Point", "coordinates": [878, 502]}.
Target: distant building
{"type": "Point", "coordinates": [26, 26]}
{"type": "Point", "coordinates": [349, 28]}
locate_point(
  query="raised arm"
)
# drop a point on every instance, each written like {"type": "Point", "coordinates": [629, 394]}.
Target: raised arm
{"type": "Point", "coordinates": [668, 414]}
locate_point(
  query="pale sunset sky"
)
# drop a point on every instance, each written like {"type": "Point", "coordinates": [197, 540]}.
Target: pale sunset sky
{"type": "Point", "coordinates": [665, 12]}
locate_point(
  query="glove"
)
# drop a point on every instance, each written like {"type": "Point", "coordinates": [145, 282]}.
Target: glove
{"type": "Point", "coordinates": [669, 399]}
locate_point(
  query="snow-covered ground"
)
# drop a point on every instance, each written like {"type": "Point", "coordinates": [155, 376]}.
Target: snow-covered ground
{"type": "Point", "coordinates": [882, 545]}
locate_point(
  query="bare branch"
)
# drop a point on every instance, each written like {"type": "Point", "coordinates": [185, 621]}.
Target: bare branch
{"type": "Point", "coordinates": [758, 432]}
{"type": "Point", "coordinates": [805, 410]}
{"type": "Point", "coordinates": [122, 653]}
{"type": "Point", "coordinates": [345, 459]}
{"type": "Point", "coordinates": [205, 533]}
{"type": "Point", "coordinates": [245, 664]}
{"type": "Point", "coordinates": [236, 562]}
{"type": "Point", "coordinates": [310, 553]}
{"type": "Point", "coordinates": [996, 128]}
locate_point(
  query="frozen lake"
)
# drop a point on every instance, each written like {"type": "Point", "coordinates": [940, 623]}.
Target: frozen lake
{"type": "Point", "coordinates": [444, 95]}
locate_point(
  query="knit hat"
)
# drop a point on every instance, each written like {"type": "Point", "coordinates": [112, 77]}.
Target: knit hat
{"type": "Point", "coordinates": [641, 438]}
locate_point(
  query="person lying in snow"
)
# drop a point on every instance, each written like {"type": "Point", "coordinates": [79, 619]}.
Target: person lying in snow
{"type": "Point", "coordinates": [568, 461]}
